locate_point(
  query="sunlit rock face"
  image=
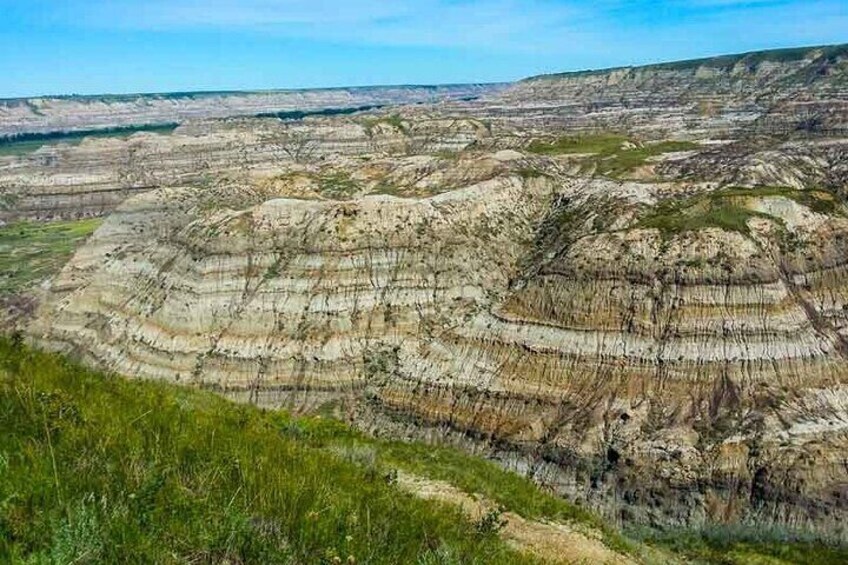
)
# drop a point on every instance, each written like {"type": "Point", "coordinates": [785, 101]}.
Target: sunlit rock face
{"type": "Point", "coordinates": [766, 93]}
{"type": "Point", "coordinates": [695, 372]}
{"type": "Point", "coordinates": [668, 342]}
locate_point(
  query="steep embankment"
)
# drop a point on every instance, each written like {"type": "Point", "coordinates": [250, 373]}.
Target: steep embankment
{"type": "Point", "coordinates": [183, 475]}
{"type": "Point", "coordinates": [617, 341]}
{"type": "Point", "coordinates": [96, 469]}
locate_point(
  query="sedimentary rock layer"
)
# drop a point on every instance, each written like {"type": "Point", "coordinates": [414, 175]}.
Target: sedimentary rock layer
{"type": "Point", "coordinates": [72, 113]}
{"type": "Point", "coordinates": [765, 93]}
{"type": "Point", "coordinates": [696, 372]}
{"type": "Point", "coordinates": [90, 179]}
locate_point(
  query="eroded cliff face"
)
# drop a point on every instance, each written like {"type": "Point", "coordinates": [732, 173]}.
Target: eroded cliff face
{"type": "Point", "coordinates": [617, 349]}
{"type": "Point", "coordinates": [65, 181]}
{"type": "Point", "coordinates": [765, 93]}
{"type": "Point", "coordinates": [73, 113]}
{"type": "Point", "coordinates": [657, 328]}
{"type": "Point", "coordinates": [748, 105]}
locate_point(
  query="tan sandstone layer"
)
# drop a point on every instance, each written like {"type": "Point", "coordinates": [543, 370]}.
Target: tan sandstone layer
{"type": "Point", "coordinates": [699, 375]}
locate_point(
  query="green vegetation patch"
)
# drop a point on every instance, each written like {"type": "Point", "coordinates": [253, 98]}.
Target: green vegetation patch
{"type": "Point", "coordinates": [674, 217]}
{"type": "Point", "coordinates": [31, 252]}
{"type": "Point", "coordinates": [611, 154]}
{"type": "Point", "coordinates": [339, 186]}
{"type": "Point", "coordinates": [29, 142]}
{"type": "Point", "coordinates": [621, 162]}
{"type": "Point", "coordinates": [595, 143]}
{"type": "Point", "coordinates": [728, 209]}
{"type": "Point", "coordinates": [817, 200]}
{"type": "Point", "coordinates": [744, 545]}
{"type": "Point", "coordinates": [95, 468]}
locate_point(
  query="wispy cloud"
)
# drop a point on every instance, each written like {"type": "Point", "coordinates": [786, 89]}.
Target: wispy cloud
{"type": "Point", "coordinates": [514, 25]}
{"type": "Point", "coordinates": [451, 23]}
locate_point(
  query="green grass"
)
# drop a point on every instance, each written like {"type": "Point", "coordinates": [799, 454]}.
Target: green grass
{"type": "Point", "coordinates": [820, 201]}
{"type": "Point", "coordinates": [32, 252]}
{"type": "Point", "coordinates": [96, 468]}
{"type": "Point", "coordinates": [511, 491]}
{"type": "Point", "coordinates": [673, 217]}
{"type": "Point", "coordinates": [734, 545]}
{"type": "Point", "coordinates": [338, 186]}
{"type": "Point", "coordinates": [726, 209]}
{"type": "Point", "coordinates": [28, 143]}
{"type": "Point", "coordinates": [470, 474]}
{"type": "Point", "coordinates": [621, 162]}
{"type": "Point", "coordinates": [607, 155]}
{"type": "Point", "coordinates": [596, 143]}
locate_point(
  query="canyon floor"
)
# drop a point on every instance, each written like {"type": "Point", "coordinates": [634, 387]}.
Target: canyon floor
{"type": "Point", "coordinates": [627, 286]}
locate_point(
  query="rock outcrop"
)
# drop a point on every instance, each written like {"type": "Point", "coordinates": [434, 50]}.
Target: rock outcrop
{"type": "Point", "coordinates": [659, 330]}
{"type": "Point", "coordinates": [90, 179]}
{"type": "Point", "coordinates": [769, 92]}
{"type": "Point", "coordinates": [580, 328]}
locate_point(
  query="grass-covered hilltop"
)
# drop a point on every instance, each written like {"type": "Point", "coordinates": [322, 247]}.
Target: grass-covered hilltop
{"type": "Point", "coordinates": [95, 468]}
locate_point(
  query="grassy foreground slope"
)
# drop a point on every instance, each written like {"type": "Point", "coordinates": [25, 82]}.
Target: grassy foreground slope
{"type": "Point", "coordinates": [100, 469]}
{"type": "Point", "coordinates": [96, 469]}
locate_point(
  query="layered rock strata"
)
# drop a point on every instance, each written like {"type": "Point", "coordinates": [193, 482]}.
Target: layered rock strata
{"type": "Point", "coordinates": [90, 179]}
{"type": "Point", "coordinates": [771, 92]}
{"type": "Point", "coordinates": [686, 373]}
{"type": "Point", "coordinates": [73, 113]}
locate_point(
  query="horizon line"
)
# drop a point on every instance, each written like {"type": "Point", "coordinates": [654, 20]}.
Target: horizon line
{"type": "Point", "coordinates": [236, 91]}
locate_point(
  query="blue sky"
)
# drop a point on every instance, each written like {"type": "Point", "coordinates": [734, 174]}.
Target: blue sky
{"type": "Point", "coordinates": [97, 46]}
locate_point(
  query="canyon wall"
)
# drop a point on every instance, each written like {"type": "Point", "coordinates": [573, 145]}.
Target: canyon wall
{"type": "Point", "coordinates": [698, 375]}
{"type": "Point", "coordinates": [74, 113]}
{"type": "Point", "coordinates": [665, 339]}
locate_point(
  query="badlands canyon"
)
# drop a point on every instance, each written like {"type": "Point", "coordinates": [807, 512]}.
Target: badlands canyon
{"type": "Point", "coordinates": [630, 285]}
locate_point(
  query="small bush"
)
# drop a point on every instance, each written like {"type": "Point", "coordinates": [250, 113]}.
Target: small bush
{"type": "Point", "coordinates": [491, 523]}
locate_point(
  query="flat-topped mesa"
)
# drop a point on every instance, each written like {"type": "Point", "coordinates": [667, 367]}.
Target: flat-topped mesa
{"type": "Point", "coordinates": [685, 355]}
{"type": "Point", "coordinates": [80, 113]}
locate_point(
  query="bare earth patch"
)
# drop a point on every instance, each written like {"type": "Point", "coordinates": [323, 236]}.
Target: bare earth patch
{"type": "Point", "coordinates": [551, 541]}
